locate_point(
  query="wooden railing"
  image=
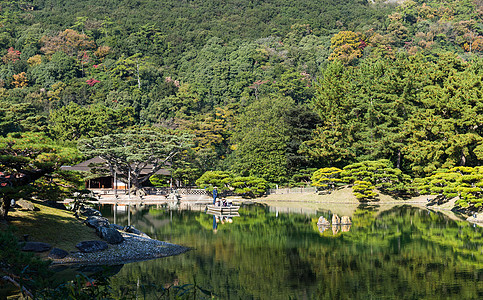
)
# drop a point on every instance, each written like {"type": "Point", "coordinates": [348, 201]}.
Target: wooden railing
{"type": "Point", "coordinates": [292, 190]}
{"type": "Point", "coordinates": [156, 191]}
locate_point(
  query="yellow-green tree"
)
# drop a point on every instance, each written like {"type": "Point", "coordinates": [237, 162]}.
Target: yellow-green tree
{"type": "Point", "coordinates": [346, 46]}
{"type": "Point", "coordinates": [327, 178]}
{"type": "Point", "coordinates": [368, 175]}
{"type": "Point", "coordinates": [466, 183]}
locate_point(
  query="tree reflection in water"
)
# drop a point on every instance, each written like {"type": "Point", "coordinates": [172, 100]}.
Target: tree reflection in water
{"type": "Point", "coordinates": [403, 252]}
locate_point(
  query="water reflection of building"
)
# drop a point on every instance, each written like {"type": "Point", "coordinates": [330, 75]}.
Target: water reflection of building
{"type": "Point", "coordinates": [127, 214]}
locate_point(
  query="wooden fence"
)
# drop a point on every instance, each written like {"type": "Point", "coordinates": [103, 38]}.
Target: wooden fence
{"type": "Point", "coordinates": [202, 192]}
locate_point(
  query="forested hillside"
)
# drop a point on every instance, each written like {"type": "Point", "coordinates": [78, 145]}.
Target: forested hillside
{"type": "Point", "coordinates": [272, 89]}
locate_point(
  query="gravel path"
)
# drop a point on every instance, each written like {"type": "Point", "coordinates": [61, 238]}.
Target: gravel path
{"type": "Point", "coordinates": [133, 248]}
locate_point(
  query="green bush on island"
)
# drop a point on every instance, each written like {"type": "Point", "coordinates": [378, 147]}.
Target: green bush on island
{"type": "Point", "coordinates": [211, 179]}
{"type": "Point", "coordinates": [364, 177]}
{"type": "Point", "coordinates": [387, 180]}
{"type": "Point", "coordinates": [327, 178]}
{"type": "Point", "coordinates": [364, 190]}
{"type": "Point", "coordinates": [466, 183]}
{"type": "Point", "coordinates": [246, 186]}
{"type": "Point", "coordinates": [249, 187]}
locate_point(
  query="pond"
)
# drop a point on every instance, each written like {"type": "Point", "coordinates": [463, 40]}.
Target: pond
{"type": "Point", "coordinates": [404, 252]}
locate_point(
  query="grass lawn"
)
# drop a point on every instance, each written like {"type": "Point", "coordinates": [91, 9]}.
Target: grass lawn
{"type": "Point", "coordinates": [57, 227]}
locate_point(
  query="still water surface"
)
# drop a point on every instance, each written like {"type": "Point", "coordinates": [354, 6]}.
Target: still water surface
{"type": "Point", "coordinates": [401, 253]}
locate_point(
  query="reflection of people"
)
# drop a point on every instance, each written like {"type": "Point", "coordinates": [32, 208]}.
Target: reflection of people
{"type": "Point", "coordinates": [215, 225]}
{"type": "Point", "coordinates": [215, 194]}
{"type": "Point", "coordinates": [222, 220]}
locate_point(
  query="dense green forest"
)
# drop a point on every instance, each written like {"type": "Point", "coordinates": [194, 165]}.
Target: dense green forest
{"type": "Point", "coordinates": [381, 95]}
{"type": "Point", "coordinates": [271, 89]}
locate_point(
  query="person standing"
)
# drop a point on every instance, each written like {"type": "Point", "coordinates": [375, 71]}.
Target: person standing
{"type": "Point", "coordinates": [215, 194]}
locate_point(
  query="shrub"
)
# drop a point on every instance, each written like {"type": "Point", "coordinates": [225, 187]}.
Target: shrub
{"type": "Point", "coordinates": [249, 187]}
{"type": "Point", "coordinates": [327, 178]}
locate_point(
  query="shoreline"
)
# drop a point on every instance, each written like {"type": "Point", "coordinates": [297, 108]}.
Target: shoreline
{"type": "Point", "coordinates": [343, 202]}
{"type": "Point", "coordinates": [134, 248]}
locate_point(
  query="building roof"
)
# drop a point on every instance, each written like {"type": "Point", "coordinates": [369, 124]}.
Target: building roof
{"type": "Point", "coordinates": [87, 165]}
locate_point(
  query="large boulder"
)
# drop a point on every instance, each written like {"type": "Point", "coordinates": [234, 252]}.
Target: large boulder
{"type": "Point", "coordinates": [25, 205]}
{"type": "Point", "coordinates": [131, 229]}
{"type": "Point", "coordinates": [36, 247]}
{"type": "Point", "coordinates": [110, 235]}
{"type": "Point", "coordinates": [323, 222]}
{"type": "Point", "coordinates": [96, 222]}
{"type": "Point", "coordinates": [89, 211]}
{"type": "Point", "coordinates": [345, 220]}
{"type": "Point", "coordinates": [91, 246]}
{"type": "Point", "coordinates": [57, 253]}
{"type": "Point", "coordinates": [335, 219]}
{"type": "Point", "coordinates": [118, 227]}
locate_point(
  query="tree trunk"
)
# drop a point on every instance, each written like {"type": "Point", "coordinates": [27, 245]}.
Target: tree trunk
{"type": "Point", "coordinates": [136, 185]}
{"type": "Point", "coordinates": [398, 164]}
{"type": "Point", "coordinates": [18, 184]}
{"type": "Point", "coordinates": [137, 69]}
{"type": "Point", "coordinates": [4, 208]}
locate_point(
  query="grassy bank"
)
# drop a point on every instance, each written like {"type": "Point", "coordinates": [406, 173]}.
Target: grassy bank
{"type": "Point", "coordinates": [57, 227]}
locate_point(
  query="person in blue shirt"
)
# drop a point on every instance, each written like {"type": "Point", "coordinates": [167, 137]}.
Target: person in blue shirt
{"type": "Point", "coordinates": [215, 194]}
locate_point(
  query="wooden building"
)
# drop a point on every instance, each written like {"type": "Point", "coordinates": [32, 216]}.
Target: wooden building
{"type": "Point", "coordinates": [106, 181]}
